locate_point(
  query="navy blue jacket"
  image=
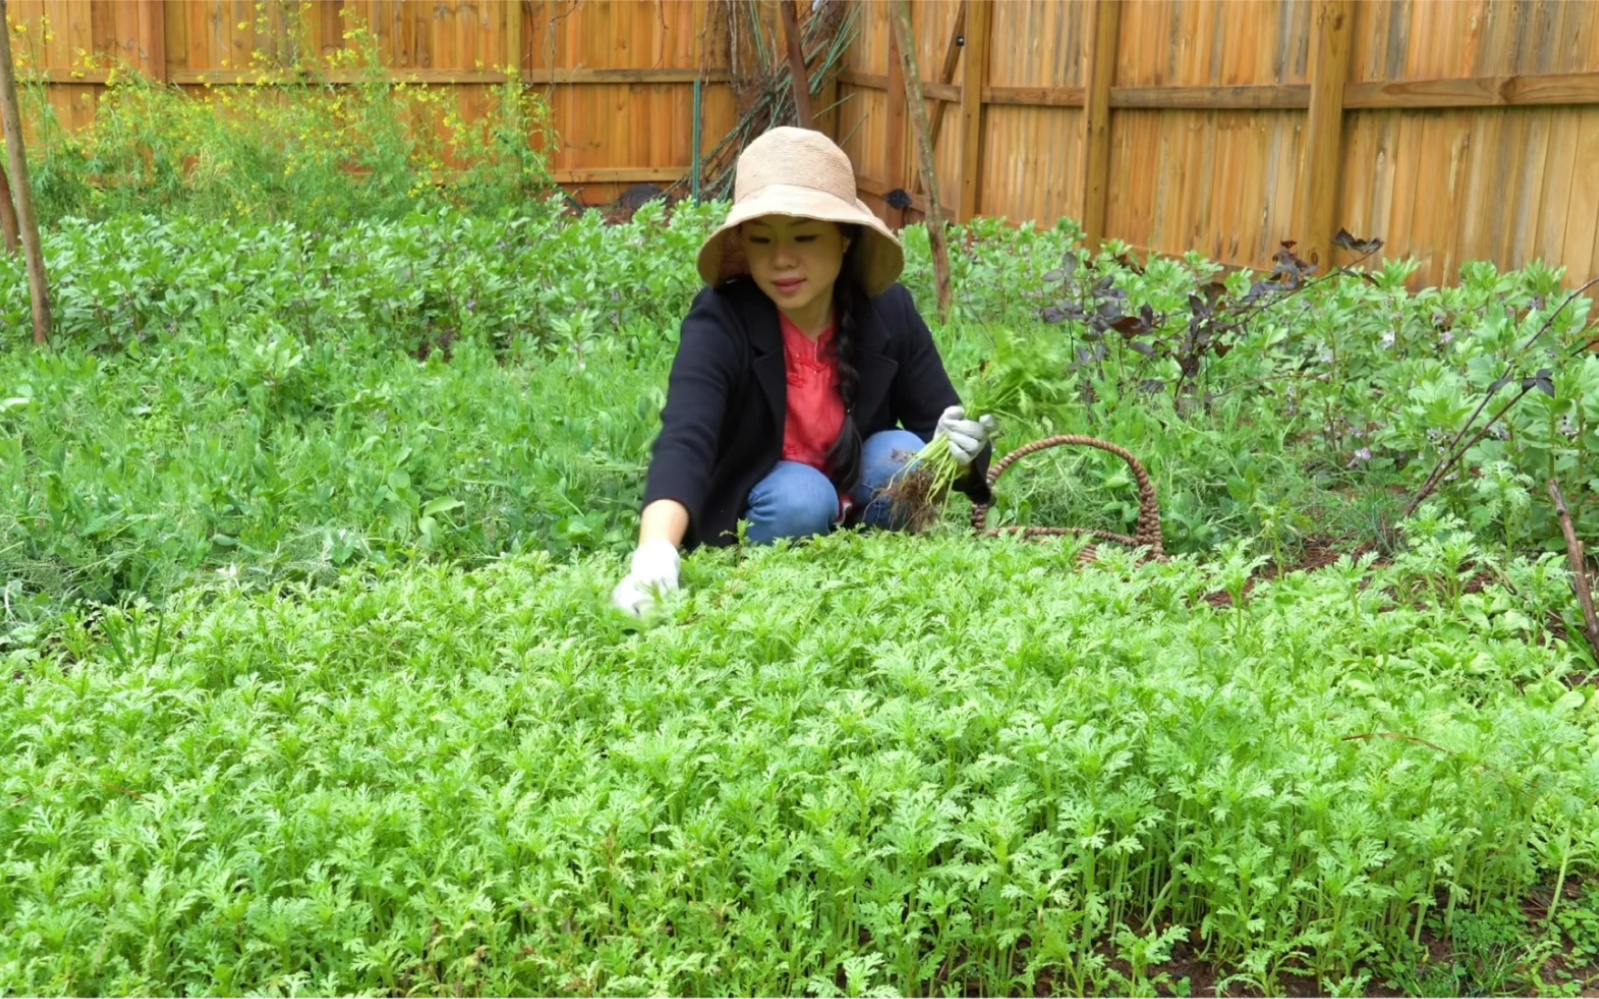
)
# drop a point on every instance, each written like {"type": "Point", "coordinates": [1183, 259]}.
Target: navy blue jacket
{"type": "Point", "coordinates": [727, 401]}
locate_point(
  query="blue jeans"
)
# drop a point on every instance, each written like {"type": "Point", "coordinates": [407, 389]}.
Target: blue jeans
{"type": "Point", "coordinates": [797, 501]}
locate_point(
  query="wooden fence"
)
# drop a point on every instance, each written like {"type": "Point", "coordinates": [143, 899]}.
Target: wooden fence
{"type": "Point", "coordinates": [619, 73]}
{"type": "Point", "coordinates": [1455, 130]}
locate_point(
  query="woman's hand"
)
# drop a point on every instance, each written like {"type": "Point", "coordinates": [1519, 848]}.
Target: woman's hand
{"type": "Point", "coordinates": [966, 437]}
{"type": "Point", "coordinates": [653, 575]}
{"type": "Point", "coordinates": [655, 561]}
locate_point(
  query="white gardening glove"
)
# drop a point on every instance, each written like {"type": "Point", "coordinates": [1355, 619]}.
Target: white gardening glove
{"type": "Point", "coordinates": [966, 437]}
{"type": "Point", "coordinates": [653, 575]}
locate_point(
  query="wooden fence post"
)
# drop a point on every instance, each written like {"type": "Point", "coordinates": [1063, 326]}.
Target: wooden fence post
{"type": "Point", "coordinates": [1099, 50]}
{"type": "Point", "coordinates": [1317, 210]}
{"type": "Point", "coordinates": [901, 13]}
{"type": "Point", "coordinates": [979, 15]}
{"type": "Point", "coordinates": [29, 226]}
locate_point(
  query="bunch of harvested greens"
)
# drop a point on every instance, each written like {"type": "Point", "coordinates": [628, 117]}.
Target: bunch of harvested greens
{"type": "Point", "coordinates": [918, 491]}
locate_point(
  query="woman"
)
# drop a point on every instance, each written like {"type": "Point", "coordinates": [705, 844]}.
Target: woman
{"type": "Point", "coordinates": [804, 377]}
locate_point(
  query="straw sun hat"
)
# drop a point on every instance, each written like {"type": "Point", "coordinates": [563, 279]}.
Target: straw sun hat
{"type": "Point", "coordinates": [799, 172]}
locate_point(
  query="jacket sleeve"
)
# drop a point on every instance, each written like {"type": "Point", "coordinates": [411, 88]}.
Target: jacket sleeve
{"type": "Point", "coordinates": [702, 378]}
{"type": "Point", "coordinates": [922, 388]}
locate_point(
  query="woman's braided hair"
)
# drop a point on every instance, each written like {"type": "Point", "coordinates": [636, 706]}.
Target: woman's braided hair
{"type": "Point", "coordinates": [849, 307]}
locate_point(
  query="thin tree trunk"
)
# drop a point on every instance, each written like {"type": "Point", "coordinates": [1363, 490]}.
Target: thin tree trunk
{"type": "Point", "coordinates": [1579, 568]}
{"type": "Point", "coordinates": [8, 214]}
{"type": "Point", "coordinates": [906, 40]}
{"type": "Point", "coordinates": [796, 65]}
{"type": "Point", "coordinates": [28, 225]}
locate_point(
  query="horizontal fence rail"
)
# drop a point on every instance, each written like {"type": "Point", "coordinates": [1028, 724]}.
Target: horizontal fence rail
{"type": "Point", "coordinates": [1474, 92]}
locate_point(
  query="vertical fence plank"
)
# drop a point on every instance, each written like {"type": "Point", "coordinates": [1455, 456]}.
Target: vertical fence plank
{"type": "Point", "coordinates": [1318, 166]}
{"type": "Point", "coordinates": [1529, 209]}
{"type": "Point", "coordinates": [153, 32]}
{"type": "Point", "coordinates": [1577, 252]}
{"type": "Point", "coordinates": [1100, 52]}
{"type": "Point", "coordinates": [174, 42]}
{"type": "Point", "coordinates": [1559, 169]}
{"type": "Point", "coordinates": [946, 71]}
{"type": "Point", "coordinates": [513, 37]}
{"type": "Point", "coordinates": [979, 15]}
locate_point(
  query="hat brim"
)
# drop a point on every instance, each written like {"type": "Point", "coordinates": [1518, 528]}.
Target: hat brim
{"type": "Point", "coordinates": [721, 257]}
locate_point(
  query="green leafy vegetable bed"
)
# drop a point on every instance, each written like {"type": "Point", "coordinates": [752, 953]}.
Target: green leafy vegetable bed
{"type": "Point", "coordinates": [867, 765]}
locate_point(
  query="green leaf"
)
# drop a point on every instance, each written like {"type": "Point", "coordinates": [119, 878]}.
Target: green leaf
{"type": "Point", "coordinates": [443, 504]}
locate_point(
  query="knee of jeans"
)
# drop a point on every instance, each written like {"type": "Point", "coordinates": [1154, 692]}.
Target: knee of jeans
{"type": "Point", "coordinates": [798, 503]}
{"type": "Point", "coordinates": [885, 453]}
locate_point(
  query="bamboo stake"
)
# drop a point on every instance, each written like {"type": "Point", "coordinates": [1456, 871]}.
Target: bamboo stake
{"type": "Point", "coordinates": [28, 225]}
{"type": "Point", "coordinates": [1579, 568]}
{"type": "Point", "coordinates": [906, 41]}
{"type": "Point", "coordinates": [796, 65]}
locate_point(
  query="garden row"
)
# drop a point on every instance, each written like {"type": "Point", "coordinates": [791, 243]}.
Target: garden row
{"type": "Point", "coordinates": [278, 402]}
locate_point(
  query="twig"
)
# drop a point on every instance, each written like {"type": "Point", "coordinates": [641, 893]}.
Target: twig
{"type": "Point", "coordinates": [1441, 471]}
{"type": "Point", "coordinates": [1579, 568]}
{"type": "Point", "coordinates": [1451, 456]}
{"type": "Point", "coordinates": [796, 65]}
{"type": "Point", "coordinates": [1398, 737]}
{"type": "Point", "coordinates": [905, 39]}
{"type": "Point", "coordinates": [8, 216]}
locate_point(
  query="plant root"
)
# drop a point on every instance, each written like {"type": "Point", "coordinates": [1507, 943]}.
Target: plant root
{"type": "Point", "coordinates": [918, 491]}
{"type": "Point", "coordinates": [914, 498]}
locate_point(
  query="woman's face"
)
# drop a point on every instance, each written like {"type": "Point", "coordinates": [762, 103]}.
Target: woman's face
{"type": "Point", "coordinates": [796, 261]}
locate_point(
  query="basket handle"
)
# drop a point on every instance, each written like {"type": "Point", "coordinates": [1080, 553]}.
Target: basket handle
{"type": "Point", "coordinates": [1149, 532]}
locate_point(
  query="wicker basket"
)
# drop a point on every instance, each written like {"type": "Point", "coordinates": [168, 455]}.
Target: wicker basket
{"type": "Point", "coordinates": [1149, 532]}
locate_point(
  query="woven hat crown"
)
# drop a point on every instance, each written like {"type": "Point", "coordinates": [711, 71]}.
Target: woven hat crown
{"type": "Point", "coordinates": [797, 157]}
{"type": "Point", "coordinates": [802, 173]}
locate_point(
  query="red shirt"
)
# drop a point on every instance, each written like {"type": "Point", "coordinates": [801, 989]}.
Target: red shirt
{"type": "Point", "coordinates": [815, 411]}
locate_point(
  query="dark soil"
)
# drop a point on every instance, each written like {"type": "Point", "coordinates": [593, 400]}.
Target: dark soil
{"type": "Point", "coordinates": [1318, 553]}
